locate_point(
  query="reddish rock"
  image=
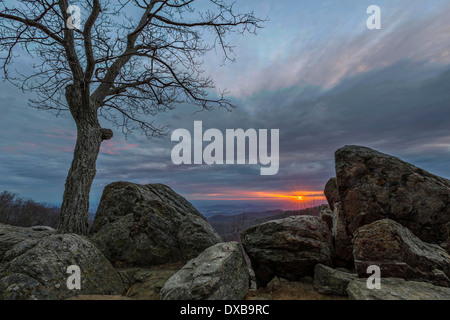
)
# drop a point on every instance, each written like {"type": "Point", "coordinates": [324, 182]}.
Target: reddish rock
{"type": "Point", "coordinates": [374, 186]}
{"type": "Point", "coordinates": [399, 254]}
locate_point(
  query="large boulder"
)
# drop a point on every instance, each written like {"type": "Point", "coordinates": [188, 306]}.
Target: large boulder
{"type": "Point", "coordinates": [374, 186]}
{"type": "Point", "coordinates": [139, 225]}
{"type": "Point", "coordinates": [288, 248]}
{"type": "Point", "coordinates": [33, 265]}
{"type": "Point", "coordinates": [219, 273]}
{"type": "Point", "coordinates": [399, 253]}
{"type": "Point", "coordinates": [397, 289]}
{"type": "Point", "coordinates": [330, 281]}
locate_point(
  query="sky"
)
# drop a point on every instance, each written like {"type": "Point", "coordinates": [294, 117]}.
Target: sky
{"type": "Point", "coordinates": [315, 72]}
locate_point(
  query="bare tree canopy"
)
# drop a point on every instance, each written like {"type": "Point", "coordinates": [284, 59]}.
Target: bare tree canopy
{"type": "Point", "coordinates": [127, 61]}
{"type": "Point", "coordinates": [126, 67]}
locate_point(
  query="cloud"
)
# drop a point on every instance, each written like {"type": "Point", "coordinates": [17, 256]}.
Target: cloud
{"type": "Point", "coordinates": [386, 90]}
{"type": "Point", "coordinates": [407, 118]}
{"type": "Point", "coordinates": [114, 147]}
{"type": "Point", "coordinates": [325, 56]}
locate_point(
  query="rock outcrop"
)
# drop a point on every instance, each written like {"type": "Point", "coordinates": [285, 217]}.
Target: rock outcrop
{"type": "Point", "coordinates": [399, 253]}
{"type": "Point", "coordinates": [34, 262]}
{"type": "Point", "coordinates": [342, 240]}
{"type": "Point", "coordinates": [331, 193]}
{"type": "Point", "coordinates": [330, 281]}
{"type": "Point", "coordinates": [327, 215]}
{"type": "Point", "coordinates": [371, 186]}
{"type": "Point", "coordinates": [397, 289]}
{"type": "Point", "coordinates": [374, 186]}
{"type": "Point", "coordinates": [138, 225]}
{"type": "Point", "coordinates": [219, 273]}
{"type": "Point", "coordinates": [342, 253]}
{"type": "Point", "coordinates": [288, 248]}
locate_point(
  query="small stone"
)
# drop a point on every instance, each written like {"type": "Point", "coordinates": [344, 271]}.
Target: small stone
{"type": "Point", "coordinates": [330, 281]}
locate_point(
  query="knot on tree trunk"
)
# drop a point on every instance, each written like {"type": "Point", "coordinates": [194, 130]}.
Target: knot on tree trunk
{"type": "Point", "coordinates": [106, 134]}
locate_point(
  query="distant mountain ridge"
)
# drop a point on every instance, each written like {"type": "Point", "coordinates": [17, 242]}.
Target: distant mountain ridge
{"type": "Point", "coordinates": [229, 227]}
{"type": "Point", "coordinates": [244, 216]}
{"type": "Point", "coordinates": [231, 208]}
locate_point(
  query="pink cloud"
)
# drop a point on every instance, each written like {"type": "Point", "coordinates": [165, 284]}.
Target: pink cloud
{"type": "Point", "coordinates": [13, 149]}
{"type": "Point", "coordinates": [113, 147]}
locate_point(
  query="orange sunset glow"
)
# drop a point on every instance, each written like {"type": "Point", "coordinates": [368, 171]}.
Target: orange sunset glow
{"type": "Point", "coordinates": [295, 196]}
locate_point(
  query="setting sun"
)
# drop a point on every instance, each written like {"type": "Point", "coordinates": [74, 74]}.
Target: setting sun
{"type": "Point", "coordinates": [306, 196]}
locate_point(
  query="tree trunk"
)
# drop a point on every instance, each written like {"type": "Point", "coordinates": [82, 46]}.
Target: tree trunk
{"type": "Point", "coordinates": [75, 206]}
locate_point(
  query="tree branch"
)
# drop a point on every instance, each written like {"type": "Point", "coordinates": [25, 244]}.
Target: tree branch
{"type": "Point", "coordinates": [34, 24]}
{"type": "Point", "coordinates": [112, 73]}
{"type": "Point", "coordinates": [69, 45]}
{"type": "Point", "coordinates": [88, 41]}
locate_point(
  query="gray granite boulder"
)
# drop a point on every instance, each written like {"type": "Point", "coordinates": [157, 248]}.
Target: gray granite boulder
{"type": "Point", "coordinates": [219, 273]}
{"type": "Point", "coordinates": [33, 265]}
{"type": "Point", "coordinates": [288, 248]}
{"type": "Point", "coordinates": [139, 225]}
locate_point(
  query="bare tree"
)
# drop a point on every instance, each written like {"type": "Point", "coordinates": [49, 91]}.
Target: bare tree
{"type": "Point", "coordinates": [122, 67]}
{"type": "Point", "coordinates": [22, 212]}
{"type": "Point", "coordinates": [7, 201]}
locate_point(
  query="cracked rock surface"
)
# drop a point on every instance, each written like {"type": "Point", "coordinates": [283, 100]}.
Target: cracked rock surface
{"type": "Point", "coordinates": [34, 262]}
{"type": "Point", "coordinates": [219, 273]}
{"type": "Point", "coordinates": [147, 225]}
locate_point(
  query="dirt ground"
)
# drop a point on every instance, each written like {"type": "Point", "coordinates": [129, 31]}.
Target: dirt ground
{"type": "Point", "coordinates": [286, 290]}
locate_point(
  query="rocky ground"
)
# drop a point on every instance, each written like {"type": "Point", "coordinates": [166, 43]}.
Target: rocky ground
{"type": "Point", "coordinates": [282, 289]}
{"type": "Point", "coordinates": [150, 243]}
